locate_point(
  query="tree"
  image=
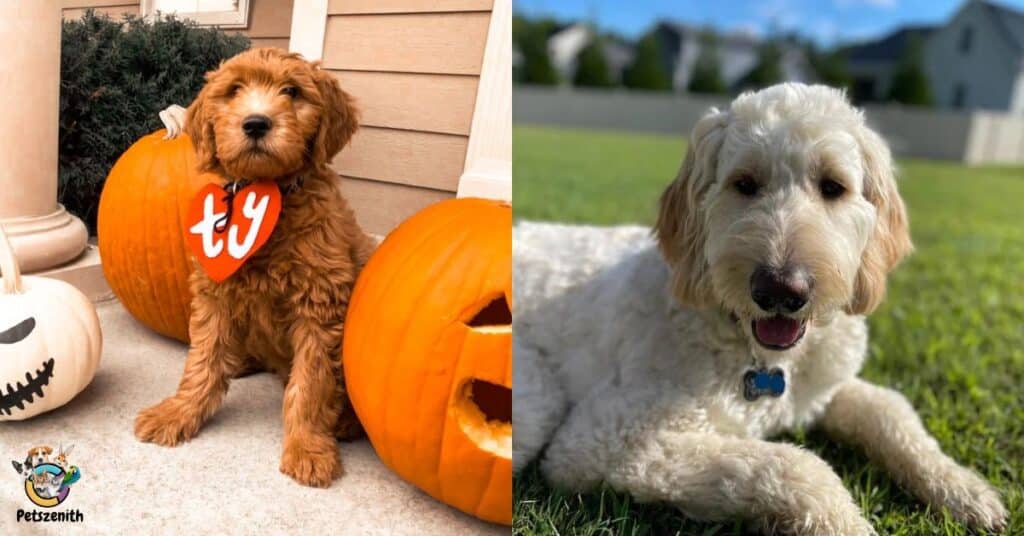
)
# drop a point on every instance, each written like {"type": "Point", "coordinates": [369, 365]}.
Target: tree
{"type": "Point", "coordinates": [648, 68]}
{"type": "Point", "coordinates": [768, 70]}
{"type": "Point", "coordinates": [532, 39]}
{"type": "Point", "coordinates": [592, 67]}
{"type": "Point", "coordinates": [707, 72]}
{"type": "Point", "coordinates": [831, 67]}
{"type": "Point", "coordinates": [909, 81]}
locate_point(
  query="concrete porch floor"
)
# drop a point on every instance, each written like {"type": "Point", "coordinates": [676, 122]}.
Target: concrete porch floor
{"type": "Point", "coordinates": [224, 481]}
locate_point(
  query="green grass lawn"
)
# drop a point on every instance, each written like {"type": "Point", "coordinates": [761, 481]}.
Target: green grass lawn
{"type": "Point", "coordinates": [950, 335]}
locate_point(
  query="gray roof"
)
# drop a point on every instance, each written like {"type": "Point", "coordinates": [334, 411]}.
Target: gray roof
{"type": "Point", "coordinates": [723, 38]}
{"type": "Point", "coordinates": [1010, 22]}
{"type": "Point", "coordinates": [888, 48]}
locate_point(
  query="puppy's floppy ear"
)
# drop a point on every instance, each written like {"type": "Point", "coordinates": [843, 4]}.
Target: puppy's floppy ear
{"type": "Point", "coordinates": [339, 119]}
{"type": "Point", "coordinates": [199, 125]}
{"type": "Point", "coordinates": [680, 228]}
{"type": "Point", "coordinates": [890, 239]}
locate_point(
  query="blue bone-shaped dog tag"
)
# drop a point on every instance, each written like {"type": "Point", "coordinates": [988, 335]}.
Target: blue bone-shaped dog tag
{"type": "Point", "coordinates": [763, 382]}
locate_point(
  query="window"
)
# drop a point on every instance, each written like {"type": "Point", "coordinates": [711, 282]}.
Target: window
{"type": "Point", "coordinates": [966, 36]}
{"type": "Point", "coordinates": [960, 95]}
{"type": "Point", "coordinates": [222, 13]}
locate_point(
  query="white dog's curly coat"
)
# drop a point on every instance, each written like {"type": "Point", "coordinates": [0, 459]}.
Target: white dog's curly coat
{"type": "Point", "coordinates": [774, 240]}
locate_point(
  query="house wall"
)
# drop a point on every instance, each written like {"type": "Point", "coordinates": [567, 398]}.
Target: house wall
{"type": "Point", "coordinates": [414, 67]}
{"type": "Point", "coordinates": [269, 20]}
{"type": "Point", "coordinates": [73, 9]}
{"type": "Point", "coordinates": [988, 70]}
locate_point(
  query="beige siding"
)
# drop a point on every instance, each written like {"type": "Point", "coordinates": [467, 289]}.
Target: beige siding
{"type": "Point", "coordinates": [381, 206]}
{"type": "Point", "coordinates": [428, 102]}
{"type": "Point", "coordinates": [356, 7]}
{"type": "Point", "coordinates": [409, 43]}
{"type": "Point", "coordinates": [413, 66]}
{"type": "Point", "coordinates": [270, 23]}
{"type": "Point", "coordinates": [404, 157]}
{"type": "Point", "coordinates": [279, 42]}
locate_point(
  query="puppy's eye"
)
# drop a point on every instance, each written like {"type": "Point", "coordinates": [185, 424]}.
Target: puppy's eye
{"type": "Point", "coordinates": [234, 89]}
{"type": "Point", "coordinates": [831, 189]}
{"type": "Point", "coordinates": [290, 91]}
{"type": "Point", "coordinates": [746, 186]}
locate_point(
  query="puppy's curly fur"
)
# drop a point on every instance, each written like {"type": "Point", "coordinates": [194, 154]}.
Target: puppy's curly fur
{"type": "Point", "coordinates": [631, 353]}
{"type": "Point", "coordinates": [285, 307]}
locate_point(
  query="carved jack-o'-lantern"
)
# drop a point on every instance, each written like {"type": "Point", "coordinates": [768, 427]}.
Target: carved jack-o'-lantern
{"type": "Point", "coordinates": [49, 341]}
{"type": "Point", "coordinates": [428, 354]}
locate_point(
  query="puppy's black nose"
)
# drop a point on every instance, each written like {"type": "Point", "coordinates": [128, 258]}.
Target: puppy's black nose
{"type": "Point", "coordinates": [256, 126]}
{"type": "Point", "coordinates": [780, 290]}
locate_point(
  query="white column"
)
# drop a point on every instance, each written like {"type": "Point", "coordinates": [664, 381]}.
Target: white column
{"type": "Point", "coordinates": [43, 234]}
{"type": "Point", "coordinates": [309, 27]}
{"type": "Point", "coordinates": [488, 168]}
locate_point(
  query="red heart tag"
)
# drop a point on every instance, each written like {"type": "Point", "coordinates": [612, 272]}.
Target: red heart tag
{"type": "Point", "coordinates": [224, 230]}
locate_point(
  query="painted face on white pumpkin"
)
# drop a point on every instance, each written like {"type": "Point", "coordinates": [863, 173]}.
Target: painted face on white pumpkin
{"type": "Point", "coordinates": [27, 377]}
{"type": "Point", "coordinates": [50, 346]}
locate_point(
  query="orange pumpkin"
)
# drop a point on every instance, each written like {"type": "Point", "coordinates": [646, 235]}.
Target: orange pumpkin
{"type": "Point", "coordinates": [145, 258]}
{"type": "Point", "coordinates": [428, 354]}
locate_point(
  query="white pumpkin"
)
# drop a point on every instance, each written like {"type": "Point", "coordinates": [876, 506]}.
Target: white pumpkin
{"type": "Point", "coordinates": [50, 341]}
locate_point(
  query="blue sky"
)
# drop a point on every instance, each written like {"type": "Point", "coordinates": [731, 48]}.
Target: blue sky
{"type": "Point", "coordinates": [826, 21]}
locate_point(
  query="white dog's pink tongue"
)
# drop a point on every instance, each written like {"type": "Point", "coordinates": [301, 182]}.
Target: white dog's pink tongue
{"type": "Point", "coordinates": [777, 330]}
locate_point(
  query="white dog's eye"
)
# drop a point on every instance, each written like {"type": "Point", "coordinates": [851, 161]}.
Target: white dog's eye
{"type": "Point", "coordinates": [831, 189]}
{"type": "Point", "coordinates": [746, 186]}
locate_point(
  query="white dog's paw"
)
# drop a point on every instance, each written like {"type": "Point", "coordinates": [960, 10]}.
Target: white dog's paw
{"type": "Point", "coordinates": [971, 499]}
{"type": "Point", "coordinates": [834, 522]}
{"type": "Point", "coordinates": [173, 118]}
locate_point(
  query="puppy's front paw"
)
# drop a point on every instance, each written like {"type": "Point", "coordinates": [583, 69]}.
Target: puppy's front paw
{"type": "Point", "coordinates": [167, 423]}
{"type": "Point", "coordinates": [835, 519]}
{"type": "Point", "coordinates": [311, 460]}
{"type": "Point", "coordinates": [971, 499]}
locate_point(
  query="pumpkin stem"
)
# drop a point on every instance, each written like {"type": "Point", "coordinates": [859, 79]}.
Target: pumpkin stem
{"type": "Point", "coordinates": [9, 270]}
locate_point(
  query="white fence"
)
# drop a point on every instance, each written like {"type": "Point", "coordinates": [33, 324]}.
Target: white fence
{"type": "Point", "coordinates": [973, 137]}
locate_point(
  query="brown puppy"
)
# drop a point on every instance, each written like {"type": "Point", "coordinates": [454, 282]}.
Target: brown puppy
{"type": "Point", "coordinates": [268, 114]}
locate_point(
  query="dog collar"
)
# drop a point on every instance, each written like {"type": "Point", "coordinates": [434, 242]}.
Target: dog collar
{"type": "Point", "coordinates": [233, 185]}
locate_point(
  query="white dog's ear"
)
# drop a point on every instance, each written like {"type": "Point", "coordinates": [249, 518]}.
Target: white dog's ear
{"type": "Point", "coordinates": [680, 226]}
{"type": "Point", "coordinates": [890, 239]}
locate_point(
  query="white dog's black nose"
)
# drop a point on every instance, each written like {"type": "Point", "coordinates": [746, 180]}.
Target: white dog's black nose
{"type": "Point", "coordinates": [256, 126]}
{"type": "Point", "coordinates": [784, 290]}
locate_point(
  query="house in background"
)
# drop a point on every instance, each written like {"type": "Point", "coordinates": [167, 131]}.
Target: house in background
{"type": "Point", "coordinates": [680, 47]}
{"type": "Point", "coordinates": [871, 64]}
{"type": "Point", "coordinates": [565, 45]}
{"type": "Point", "coordinates": [737, 55]}
{"type": "Point", "coordinates": [976, 60]}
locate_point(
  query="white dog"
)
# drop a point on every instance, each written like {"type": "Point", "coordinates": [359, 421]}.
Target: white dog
{"type": "Point", "coordinates": [661, 372]}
